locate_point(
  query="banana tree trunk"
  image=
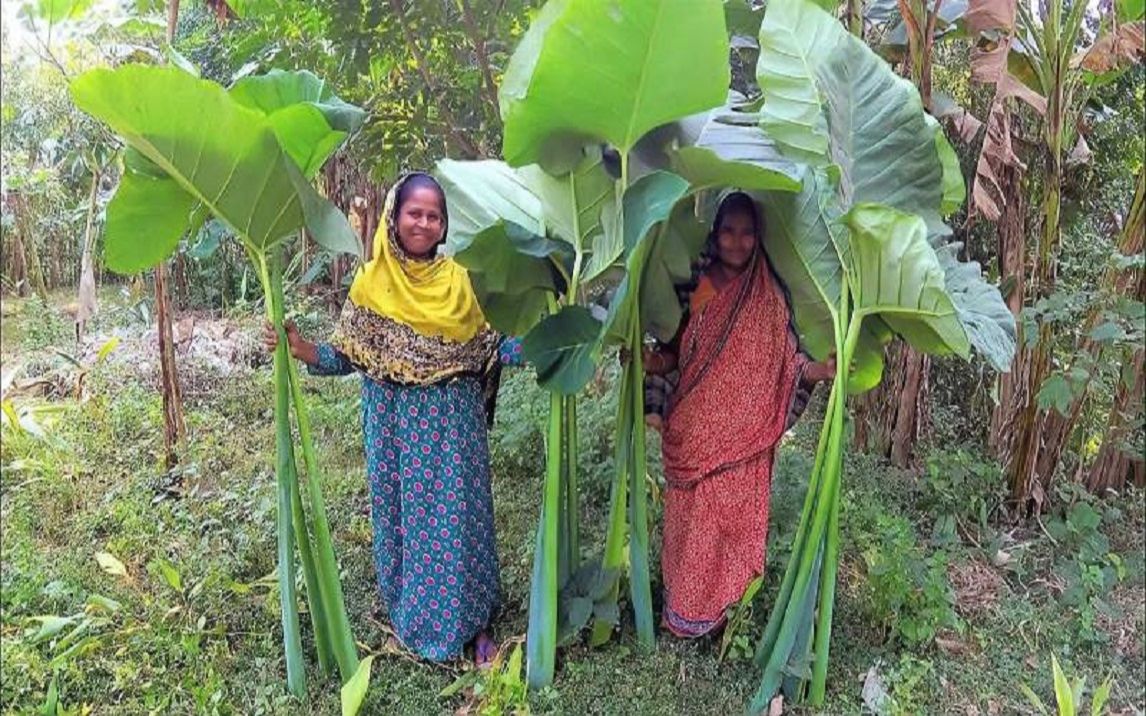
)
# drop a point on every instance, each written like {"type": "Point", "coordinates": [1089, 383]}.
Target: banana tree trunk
{"type": "Point", "coordinates": [890, 419]}
{"type": "Point", "coordinates": [1057, 427]}
{"type": "Point", "coordinates": [1011, 231]}
{"type": "Point", "coordinates": [1116, 465]}
{"type": "Point", "coordinates": [1028, 491]}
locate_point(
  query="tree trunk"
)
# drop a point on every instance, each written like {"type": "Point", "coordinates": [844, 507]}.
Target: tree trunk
{"type": "Point", "coordinates": [173, 428]}
{"type": "Point", "coordinates": [33, 268]}
{"type": "Point", "coordinates": [86, 298]}
{"type": "Point", "coordinates": [1057, 427]}
{"type": "Point", "coordinates": [1028, 491]}
{"type": "Point", "coordinates": [1116, 465]}
{"type": "Point", "coordinates": [855, 17]}
{"type": "Point", "coordinates": [350, 189]}
{"type": "Point", "coordinates": [1012, 236]}
{"type": "Point", "coordinates": [16, 269]}
{"type": "Point", "coordinates": [890, 419]}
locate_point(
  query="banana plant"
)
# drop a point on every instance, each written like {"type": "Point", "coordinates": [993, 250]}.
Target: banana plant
{"type": "Point", "coordinates": [863, 249]}
{"type": "Point", "coordinates": [250, 167]}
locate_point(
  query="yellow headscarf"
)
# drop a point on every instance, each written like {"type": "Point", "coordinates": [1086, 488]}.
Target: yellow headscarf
{"type": "Point", "coordinates": [432, 296]}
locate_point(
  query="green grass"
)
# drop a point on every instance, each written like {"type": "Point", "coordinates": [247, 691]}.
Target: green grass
{"type": "Point", "coordinates": [95, 483]}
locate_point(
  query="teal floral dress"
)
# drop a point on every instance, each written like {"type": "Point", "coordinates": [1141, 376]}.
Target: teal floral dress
{"type": "Point", "coordinates": [427, 462]}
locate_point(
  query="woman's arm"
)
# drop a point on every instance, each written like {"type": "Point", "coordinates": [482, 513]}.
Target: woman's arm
{"type": "Point", "coordinates": [509, 352]}
{"type": "Point", "coordinates": [660, 360]}
{"type": "Point", "coordinates": [320, 358]}
{"type": "Point", "coordinates": [819, 372]}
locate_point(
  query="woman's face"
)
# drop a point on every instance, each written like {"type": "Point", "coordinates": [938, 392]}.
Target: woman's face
{"type": "Point", "coordinates": [420, 222]}
{"type": "Point", "coordinates": [736, 240]}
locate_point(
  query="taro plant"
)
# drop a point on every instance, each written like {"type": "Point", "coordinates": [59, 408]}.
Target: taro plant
{"type": "Point", "coordinates": [572, 210]}
{"type": "Point", "coordinates": [245, 156]}
{"type": "Point", "coordinates": [855, 180]}
{"type": "Point", "coordinates": [862, 251]}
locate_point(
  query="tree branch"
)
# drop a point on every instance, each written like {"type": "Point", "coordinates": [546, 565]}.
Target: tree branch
{"type": "Point", "coordinates": [458, 138]}
{"type": "Point", "coordinates": [483, 57]}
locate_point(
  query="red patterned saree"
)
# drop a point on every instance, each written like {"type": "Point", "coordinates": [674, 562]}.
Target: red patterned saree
{"type": "Point", "coordinates": [739, 367]}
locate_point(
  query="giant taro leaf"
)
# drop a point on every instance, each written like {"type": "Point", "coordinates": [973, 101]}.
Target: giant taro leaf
{"type": "Point", "coordinates": [732, 150]}
{"type": "Point", "coordinates": [577, 207]}
{"type": "Point", "coordinates": [512, 273]}
{"type": "Point", "coordinates": [803, 243]}
{"type": "Point", "coordinates": [278, 89]}
{"type": "Point", "coordinates": [829, 99]}
{"type": "Point", "coordinates": [563, 347]}
{"type": "Point", "coordinates": [989, 323]}
{"type": "Point", "coordinates": [145, 220]}
{"type": "Point", "coordinates": [309, 121]}
{"type": "Point", "coordinates": [482, 193]}
{"type": "Point", "coordinates": [880, 136]}
{"type": "Point", "coordinates": [233, 164]}
{"type": "Point", "coordinates": [553, 99]}
{"type": "Point", "coordinates": [795, 37]}
{"type": "Point", "coordinates": [647, 203]}
{"type": "Point", "coordinates": [669, 264]}
{"type": "Point", "coordinates": [898, 277]}
{"type": "Point", "coordinates": [572, 203]}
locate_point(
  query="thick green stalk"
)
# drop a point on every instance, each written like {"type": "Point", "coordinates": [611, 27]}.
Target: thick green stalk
{"type": "Point", "coordinates": [564, 558]}
{"type": "Point", "coordinates": [285, 474]}
{"type": "Point", "coordinates": [614, 557]}
{"type": "Point", "coordinates": [541, 639]}
{"type": "Point", "coordinates": [319, 622]}
{"type": "Point", "coordinates": [773, 670]}
{"type": "Point", "coordinates": [341, 638]}
{"type": "Point", "coordinates": [572, 491]}
{"type": "Point", "coordinates": [640, 589]}
{"type": "Point", "coordinates": [793, 612]}
{"type": "Point", "coordinates": [772, 630]}
{"type": "Point", "coordinates": [831, 562]}
{"type": "Point", "coordinates": [318, 611]}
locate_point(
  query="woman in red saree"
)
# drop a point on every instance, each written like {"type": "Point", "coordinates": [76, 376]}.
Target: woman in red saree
{"type": "Point", "coordinates": [739, 367]}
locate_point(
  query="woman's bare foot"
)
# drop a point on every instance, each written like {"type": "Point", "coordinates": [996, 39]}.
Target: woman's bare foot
{"type": "Point", "coordinates": [485, 650]}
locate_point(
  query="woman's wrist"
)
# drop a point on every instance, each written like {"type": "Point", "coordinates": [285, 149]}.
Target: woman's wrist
{"type": "Point", "coordinates": [304, 351]}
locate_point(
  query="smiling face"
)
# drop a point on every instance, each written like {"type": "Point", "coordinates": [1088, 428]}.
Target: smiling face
{"type": "Point", "coordinates": [736, 239]}
{"type": "Point", "coordinates": [421, 221]}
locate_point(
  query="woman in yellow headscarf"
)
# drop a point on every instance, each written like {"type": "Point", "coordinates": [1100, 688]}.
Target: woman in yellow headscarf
{"type": "Point", "coordinates": [412, 326]}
